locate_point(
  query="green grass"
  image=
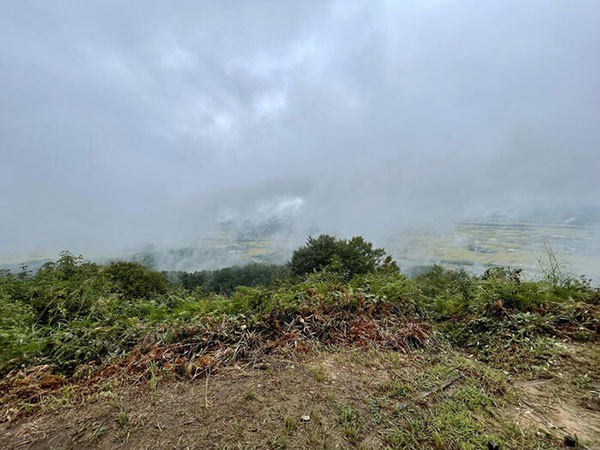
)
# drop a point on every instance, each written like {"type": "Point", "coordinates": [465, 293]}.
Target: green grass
{"type": "Point", "coordinates": [466, 414]}
{"type": "Point", "coordinates": [249, 395]}
{"type": "Point", "coordinates": [349, 421]}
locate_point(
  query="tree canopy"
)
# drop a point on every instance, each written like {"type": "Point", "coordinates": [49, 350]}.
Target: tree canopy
{"type": "Point", "coordinates": [351, 257]}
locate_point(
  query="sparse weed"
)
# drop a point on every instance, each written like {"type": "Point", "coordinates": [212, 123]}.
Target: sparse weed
{"type": "Point", "coordinates": [249, 395]}
{"type": "Point", "coordinates": [280, 442]}
{"type": "Point", "coordinates": [239, 427]}
{"type": "Point", "coordinates": [347, 415]}
{"type": "Point", "coordinates": [153, 381]}
{"type": "Point", "coordinates": [397, 389]}
{"type": "Point", "coordinates": [349, 421]}
{"type": "Point", "coordinates": [320, 374]}
{"type": "Point", "coordinates": [123, 418]}
{"type": "Point", "coordinates": [317, 437]}
{"type": "Point", "coordinates": [290, 424]}
{"type": "Point", "coordinates": [53, 402]}
{"type": "Point", "coordinates": [100, 430]}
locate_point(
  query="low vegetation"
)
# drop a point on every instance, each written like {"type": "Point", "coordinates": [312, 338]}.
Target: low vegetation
{"type": "Point", "coordinates": [74, 326]}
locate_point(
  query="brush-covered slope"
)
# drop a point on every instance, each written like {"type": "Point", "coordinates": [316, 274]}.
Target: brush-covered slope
{"type": "Point", "coordinates": [348, 354]}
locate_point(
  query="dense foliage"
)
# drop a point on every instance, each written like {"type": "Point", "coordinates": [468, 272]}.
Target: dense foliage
{"type": "Point", "coordinates": [349, 257]}
{"type": "Point", "coordinates": [224, 281]}
{"type": "Point", "coordinates": [72, 311]}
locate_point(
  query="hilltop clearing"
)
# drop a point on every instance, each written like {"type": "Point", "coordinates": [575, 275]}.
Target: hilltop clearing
{"type": "Point", "coordinates": [341, 397]}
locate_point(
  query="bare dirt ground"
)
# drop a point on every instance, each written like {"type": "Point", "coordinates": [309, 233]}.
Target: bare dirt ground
{"type": "Point", "coordinates": [541, 409]}
{"type": "Point", "coordinates": [344, 398]}
{"type": "Point", "coordinates": [253, 407]}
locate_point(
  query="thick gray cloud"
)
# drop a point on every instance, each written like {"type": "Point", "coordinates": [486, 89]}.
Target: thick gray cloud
{"type": "Point", "coordinates": [124, 123]}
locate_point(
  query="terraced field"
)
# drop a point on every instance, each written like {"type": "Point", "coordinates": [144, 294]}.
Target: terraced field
{"type": "Point", "coordinates": [477, 245]}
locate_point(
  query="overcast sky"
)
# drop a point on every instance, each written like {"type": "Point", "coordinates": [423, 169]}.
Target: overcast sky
{"type": "Point", "coordinates": [126, 123]}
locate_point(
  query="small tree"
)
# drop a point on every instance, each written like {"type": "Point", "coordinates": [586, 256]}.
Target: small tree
{"type": "Point", "coordinates": [314, 255]}
{"type": "Point", "coordinates": [353, 257]}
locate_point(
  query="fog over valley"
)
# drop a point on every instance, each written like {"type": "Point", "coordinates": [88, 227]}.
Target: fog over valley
{"type": "Point", "coordinates": [202, 136]}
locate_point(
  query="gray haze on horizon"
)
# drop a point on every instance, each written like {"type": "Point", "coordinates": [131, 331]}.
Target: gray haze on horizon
{"type": "Point", "coordinates": [129, 123]}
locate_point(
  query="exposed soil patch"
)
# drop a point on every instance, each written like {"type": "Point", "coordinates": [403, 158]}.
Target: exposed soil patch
{"type": "Point", "coordinates": [540, 409]}
{"type": "Point", "coordinates": [345, 398]}
{"type": "Point", "coordinates": [257, 407]}
{"type": "Point", "coordinates": [567, 402]}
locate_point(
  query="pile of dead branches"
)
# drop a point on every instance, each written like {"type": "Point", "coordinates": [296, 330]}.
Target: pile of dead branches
{"type": "Point", "coordinates": [21, 388]}
{"type": "Point", "coordinates": [187, 352]}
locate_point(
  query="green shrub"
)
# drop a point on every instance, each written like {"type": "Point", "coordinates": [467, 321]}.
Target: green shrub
{"type": "Point", "coordinates": [394, 288]}
{"type": "Point", "coordinates": [83, 341]}
{"type": "Point", "coordinates": [66, 290]}
{"type": "Point", "coordinates": [132, 280]}
{"type": "Point", "coordinates": [16, 326]}
{"type": "Point", "coordinates": [447, 292]}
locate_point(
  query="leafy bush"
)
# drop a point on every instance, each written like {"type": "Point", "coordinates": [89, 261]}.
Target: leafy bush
{"type": "Point", "coordinates": [449, 292]}
{"type": "Point", "coordinates": [16, 324]}
{"type": "Point", "coordinates": [132, 280]}
{"type": "Point", "coordinates": [83, 341]}
{"type": "Point", "coordinates": [394, 288]}
{"type": "Point", "coordinates": [65, 290]}
{"type": "Point", "coordinates": [501, 318]}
